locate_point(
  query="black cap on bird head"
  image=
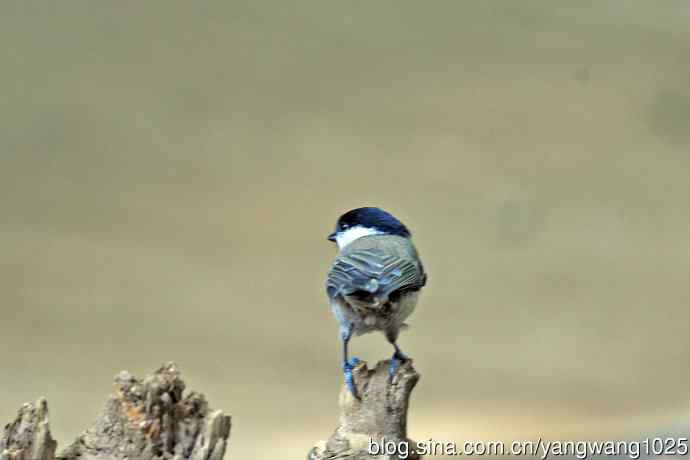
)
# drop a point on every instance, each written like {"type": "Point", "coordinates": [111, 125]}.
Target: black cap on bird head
{"type": "Point", "coordinates": [370, 218]}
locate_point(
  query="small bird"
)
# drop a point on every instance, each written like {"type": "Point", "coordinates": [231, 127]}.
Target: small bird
{"type": "Point", "coordinates": [374, 281]}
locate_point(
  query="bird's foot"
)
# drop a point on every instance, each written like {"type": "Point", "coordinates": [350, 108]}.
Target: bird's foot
{"type": "Point", "coordinates": [398, 358]}
{"type": "Point", "coordinates": [348, 366]}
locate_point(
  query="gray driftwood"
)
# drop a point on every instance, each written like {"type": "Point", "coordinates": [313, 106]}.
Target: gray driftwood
{"type": "Point", "coordinates": [146, 419]}
{"type": "Point", "coordinates": [28, 436]}
{"type": "Point", "coordinates": [381, 414]}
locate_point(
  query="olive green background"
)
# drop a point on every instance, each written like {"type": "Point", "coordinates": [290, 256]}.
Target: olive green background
{"type": "Point", "coordinates": [169, 172]}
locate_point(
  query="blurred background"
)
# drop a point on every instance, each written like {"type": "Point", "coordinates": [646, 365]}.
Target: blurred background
{"type": "Point", "coordinates": [170, 170]}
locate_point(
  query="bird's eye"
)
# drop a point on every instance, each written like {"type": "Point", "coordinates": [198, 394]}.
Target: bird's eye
{"type": "Point", "coordinates": [344, 226]}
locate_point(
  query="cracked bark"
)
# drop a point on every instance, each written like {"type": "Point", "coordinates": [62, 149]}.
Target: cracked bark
{"type": "Point", "coordinates": [380, 415]}
{"type": "Point", "coordinates": [147, 419]}
{"type": "Point", "coordinates": [28, 436]}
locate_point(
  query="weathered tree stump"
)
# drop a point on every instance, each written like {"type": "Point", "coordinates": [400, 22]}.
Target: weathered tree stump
{"type": "Point", "coordinates": [152, 419]}
{"type": "Point", "coordinates": [380, 416]}
{"type": "Point", "coordinates": [28, 437]}
{"type": "Point", "coordinates": [144, 420]}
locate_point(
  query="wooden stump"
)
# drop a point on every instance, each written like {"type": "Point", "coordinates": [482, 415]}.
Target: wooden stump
{"type": "Point", "coordinates": [144, 420]}
{"type": "Point", "coordinates": [380, 416]}
{"type": "Point", "coordinates": [28, 436]}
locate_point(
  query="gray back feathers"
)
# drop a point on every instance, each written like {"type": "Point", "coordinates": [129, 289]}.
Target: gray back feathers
{"type": "Point", "coordinates": [372, 268]}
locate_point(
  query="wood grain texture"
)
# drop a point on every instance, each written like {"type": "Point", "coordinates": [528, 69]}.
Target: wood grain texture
{"type": "Point", "coordinates": [381, 414]}
{"type": "Point", "coordinates": [145, 419]}
{"type": "Point", "coordinates": [28, 436]}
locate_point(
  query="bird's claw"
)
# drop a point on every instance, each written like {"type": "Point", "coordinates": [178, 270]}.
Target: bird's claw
{"type": "Point", "coordinates": [397, 359]}
{"type": "Point", "coordinates": [348, 366]}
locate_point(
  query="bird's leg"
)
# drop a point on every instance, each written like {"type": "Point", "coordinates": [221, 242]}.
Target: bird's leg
{"type": "Point", "coordinates": [349, 364]}
{"type": "Point", "coordinates": [398, 358]}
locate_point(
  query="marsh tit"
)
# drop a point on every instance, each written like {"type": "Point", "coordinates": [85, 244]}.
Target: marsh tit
{"type": "Point", "coordinates": [374, 281]}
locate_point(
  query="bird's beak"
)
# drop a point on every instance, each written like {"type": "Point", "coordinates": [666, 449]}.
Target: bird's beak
{"type": "Point", "coordinates": [331, 237]}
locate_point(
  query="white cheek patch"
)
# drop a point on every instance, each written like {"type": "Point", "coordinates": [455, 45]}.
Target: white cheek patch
{"type": "Point", "coordinates": [353, 233]}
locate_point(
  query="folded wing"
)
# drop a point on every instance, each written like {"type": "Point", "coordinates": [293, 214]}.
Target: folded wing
{"type": "Point", "coordinates": [369, 278]}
